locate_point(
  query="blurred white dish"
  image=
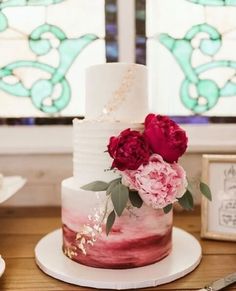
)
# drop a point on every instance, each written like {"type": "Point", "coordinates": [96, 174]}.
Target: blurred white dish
{"type": "Point", "coordinates": [9, 186]}
{"type": "Point", "coordinates": [2, 266]}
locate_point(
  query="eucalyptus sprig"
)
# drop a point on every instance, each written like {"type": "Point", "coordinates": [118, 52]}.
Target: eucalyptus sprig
{"type": "Point", "coordinates": [186, 201]}
{"type": "Point", "coordinates": [168, 208]}
{"type": "Point", "coordinates": [96, 186]}
{"type": "Point", "coordinates": [205, 190]}
{"type": "Point", "coordinates": [120, 196]}
{"type": "Point", "coordinates": [110, 221]}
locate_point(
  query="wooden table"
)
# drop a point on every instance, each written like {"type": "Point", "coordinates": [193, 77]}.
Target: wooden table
{"type": "Point", "coordinates": [21, 229]}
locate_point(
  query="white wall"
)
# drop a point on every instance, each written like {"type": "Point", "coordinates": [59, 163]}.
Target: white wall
{"type": "Point", "coordinates": [43, 155]}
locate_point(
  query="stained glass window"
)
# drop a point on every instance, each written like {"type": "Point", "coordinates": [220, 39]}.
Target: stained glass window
{"type": "Point", "coordinates": [140, 15]}
{"type": "Point", "coordinates": [191, 55]}
{"type": "Point", "coordinates": [45, 45]}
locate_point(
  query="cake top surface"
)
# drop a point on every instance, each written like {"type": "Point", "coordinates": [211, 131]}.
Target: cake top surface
{"type": "Point", "coordinates": [116, 91]}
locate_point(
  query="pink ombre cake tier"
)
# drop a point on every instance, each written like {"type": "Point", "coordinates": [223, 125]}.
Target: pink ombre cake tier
{"type": "Point", "coordinates": [139, 237]}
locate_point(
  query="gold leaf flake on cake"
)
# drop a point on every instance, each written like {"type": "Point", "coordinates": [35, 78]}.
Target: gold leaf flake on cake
{"type": "Point", "coordinates": [90, 232]}
{"type": "Point", "coordinates": [70, 252]}
{"type": "Point", "coordinates": [120, 95]}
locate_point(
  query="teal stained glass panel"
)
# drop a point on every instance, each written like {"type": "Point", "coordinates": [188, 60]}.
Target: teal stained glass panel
{"type": "Point", "coordinates": [45, 46]}
{"type": "Point", "coordinates": [191, 54]}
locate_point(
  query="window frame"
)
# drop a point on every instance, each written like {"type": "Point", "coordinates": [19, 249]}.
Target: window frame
{"type": "Point", "coordinates": [49, 139]}
{"type": "Point", "coordinates": [55, 139]}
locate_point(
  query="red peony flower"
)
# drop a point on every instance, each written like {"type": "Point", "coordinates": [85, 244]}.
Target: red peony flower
{"type": "Point", "coordinates": [129, 150]}
{"type": "Point", "coordinates": [165, 137]}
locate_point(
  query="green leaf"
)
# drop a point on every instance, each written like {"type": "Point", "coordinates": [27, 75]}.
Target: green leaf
{"type": "Point", "coordinates": [96, 186]}
{"type": "Point", "coordinates": [186, 201]}
{"type": "Point", "coordinates": [119, 197]}
{"type": "Point", "coordinates": [206, 191]}
{"type": "Point", "coordinates": [190, 186]}
{"type": "Point", "coordinates": [110, 221]}
{"type": "Point", "coordinates": [135, 199]}
{"type": "Point", "coordinates": [112, 184]}
{"type": "Point", "coordinates": [168, 208]}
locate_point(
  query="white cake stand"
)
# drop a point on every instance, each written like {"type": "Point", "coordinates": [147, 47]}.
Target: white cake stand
{"type": "Point", "coordinates": [184, 258]}
{"type": "Point", "coordinates": [2, 266]}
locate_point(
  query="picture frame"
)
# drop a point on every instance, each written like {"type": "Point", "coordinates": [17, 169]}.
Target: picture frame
{"type": "Point", "coordinates": [218, 217]}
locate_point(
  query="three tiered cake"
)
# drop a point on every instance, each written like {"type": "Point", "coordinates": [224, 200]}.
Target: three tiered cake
{"type": "Point", "coordinates": [116, 98]}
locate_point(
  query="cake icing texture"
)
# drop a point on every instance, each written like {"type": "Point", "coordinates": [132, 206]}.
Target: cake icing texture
{"type": "Point", "coordinates": [90, 143]}
{"type": "Point", "coordinates": [116, 99]}
{"type": "Point", "coordinates": [116, 92]}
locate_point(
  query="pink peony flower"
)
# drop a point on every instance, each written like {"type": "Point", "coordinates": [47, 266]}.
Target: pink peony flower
{"type": "Point", "coordinates": [158, 183]}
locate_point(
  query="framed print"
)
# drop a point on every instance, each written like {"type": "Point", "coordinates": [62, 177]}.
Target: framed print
{"type": "Point", "coordinates": [219, 215]}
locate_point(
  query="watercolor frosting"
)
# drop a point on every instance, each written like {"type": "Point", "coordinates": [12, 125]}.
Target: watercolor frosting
{"type": "Point", "coordinates": [139, 237]}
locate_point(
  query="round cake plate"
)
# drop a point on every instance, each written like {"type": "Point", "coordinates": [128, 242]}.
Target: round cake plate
{"type": "Point", "coordinates": [184, 258]}
{"type": "Point", "coordinates": [2, 266]}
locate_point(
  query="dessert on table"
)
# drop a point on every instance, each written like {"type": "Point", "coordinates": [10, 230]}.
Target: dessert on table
{"type": "Point", "coordinates": [117, 207]}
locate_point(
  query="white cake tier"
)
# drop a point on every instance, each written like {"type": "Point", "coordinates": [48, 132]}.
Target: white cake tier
{"type": "Point", "coordinates": [117, 91]}
{"type": "Point", "coordinates": [91, 162]}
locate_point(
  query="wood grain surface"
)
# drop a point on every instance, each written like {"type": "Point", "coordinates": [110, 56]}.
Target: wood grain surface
{"type": "Point", "coordinates": [22, 228]}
